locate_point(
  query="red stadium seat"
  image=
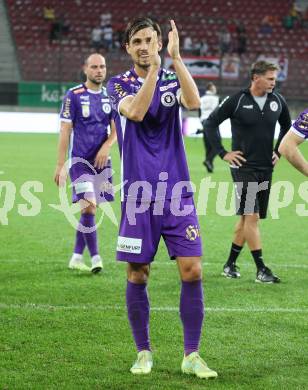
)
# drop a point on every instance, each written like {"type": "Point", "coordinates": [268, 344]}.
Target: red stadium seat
{"type": "Point", "coordinates": [200, 19]}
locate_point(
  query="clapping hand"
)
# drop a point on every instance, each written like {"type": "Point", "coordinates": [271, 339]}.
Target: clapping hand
{"type": "Point", "coordinates": [174, 42]}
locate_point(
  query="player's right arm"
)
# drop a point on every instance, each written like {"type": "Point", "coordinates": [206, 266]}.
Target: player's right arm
{"type": "Point", "coordinates": [224, 111]}
{"type": "Point", "coordinates": [102, 155]}
{"type": "Point", "coordinates": [135, 107]}
{"type": "Point", "coordinates": [67, 117]}
{"type": "Point", "coordinates": [289, 149]}
{"type": "Point", "coordinates": [64, 139]}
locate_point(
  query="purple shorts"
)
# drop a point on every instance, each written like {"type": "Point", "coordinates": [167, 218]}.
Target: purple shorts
{"type": "Point", "coordinates": [91, 183]}
{"type": "Point", "coordinates": [175, 220]}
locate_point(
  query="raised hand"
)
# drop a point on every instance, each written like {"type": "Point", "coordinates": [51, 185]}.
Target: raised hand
{"type": "Point", "coordinates": [154, 57]}
{"type": "Point", "coordinates": [174, 42]}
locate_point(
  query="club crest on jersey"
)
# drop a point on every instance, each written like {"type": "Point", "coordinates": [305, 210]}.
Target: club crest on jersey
{"type": "Point", "coordinates": [274, 106]}
{"type": "Point", "coordinates": [85, 109]}
{"type": "Point", "coordinates": [192, 232]}
{"type": "Point", "coordinates": [168, 99]}
{"type": "Point", "coordinates": [106, 108]}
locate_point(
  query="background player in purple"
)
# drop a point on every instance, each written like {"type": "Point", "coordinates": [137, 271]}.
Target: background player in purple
{"type": "Point", "coordinates": [147, 100]}
{"type": "Point", "coordinates": [294, 137]}
{"type": "Point", "coordinates": [86, 117]}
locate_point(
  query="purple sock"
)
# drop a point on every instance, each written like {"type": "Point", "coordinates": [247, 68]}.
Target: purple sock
{"type": "Point", "coordinates": [88, 220]}
{"type": "Point", "coordinates": [192, 313]}
{"type": "Point", "coordinates": [138, 310]}
{"type": "Point", "coordinates": [80, 243]}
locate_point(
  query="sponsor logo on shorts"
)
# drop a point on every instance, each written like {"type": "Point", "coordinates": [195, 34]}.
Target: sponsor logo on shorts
{"type": "Point", "coordinates": [192, 232]}
{"type": "Point", "coordinates": [129, 245]}
{"type": "Point", "coordinates": [106, 186]}
{"type": "Point", "coordinates": [85, 186]}
{"type": "Point", "coordinates": [274, 106]}
{"type": "Point", "coordinates": [168, 99]}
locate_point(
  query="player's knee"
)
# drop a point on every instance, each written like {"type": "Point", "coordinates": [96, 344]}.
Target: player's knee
{"type": "Point", "coordinates": [252, 219]}
{"type": "Point", "coordinates": [138, 273]}
{"type": "Point", "coordinates": [87, 206]}
{"type": "Point", "coordinates": [90, 209]}
{"type": "Point", "coordinates": [192, 271]}
{"type": "Point", "coordinates": [196, 272]}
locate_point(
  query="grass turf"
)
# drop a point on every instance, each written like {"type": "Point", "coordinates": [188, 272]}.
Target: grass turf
{"type": "Point", "coordinates": [67, 330]}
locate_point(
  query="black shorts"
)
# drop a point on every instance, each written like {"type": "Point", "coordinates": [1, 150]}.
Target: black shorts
{"type": "Point", "coordinates": [252, 190]}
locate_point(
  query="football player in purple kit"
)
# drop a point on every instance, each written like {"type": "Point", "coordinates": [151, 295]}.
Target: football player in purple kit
{"type": "Point", "coordinates": [297, 134]}
{"type": "Point", "coordinates": [85, 119]}
{"type": "Point", "coordinates": [147, 101]}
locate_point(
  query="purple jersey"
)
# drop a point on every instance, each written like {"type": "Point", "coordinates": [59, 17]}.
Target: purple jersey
{"type": "Point", "coordinates": [90, 113]}
{"type": "Point", "coordinates": [300, 126]}
{"type": "Point", "coordinates": [154, 145]}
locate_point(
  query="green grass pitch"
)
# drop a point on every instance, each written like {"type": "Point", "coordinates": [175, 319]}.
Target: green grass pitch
{"type": "Point", "coordinates": [65, 330]}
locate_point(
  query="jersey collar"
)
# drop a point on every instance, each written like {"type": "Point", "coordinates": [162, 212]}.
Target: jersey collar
{"type": "Point", "coordinates": [141, 79]}
{"type": "Point", "coordinates": [92, 90]}
{"type": "Point", "coordinates": [247, 91]}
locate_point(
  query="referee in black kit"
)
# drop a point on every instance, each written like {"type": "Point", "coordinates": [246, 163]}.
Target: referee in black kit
{"type": "Point", "coordinates": [254, 113]}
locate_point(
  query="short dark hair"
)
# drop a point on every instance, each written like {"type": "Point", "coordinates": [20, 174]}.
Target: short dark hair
{"type": "Point", "coordinates": [139, 24]}
{"type": "Point", "coordinates": [210, 85]}
{"type": "Point", "coordinates": [261, 67]}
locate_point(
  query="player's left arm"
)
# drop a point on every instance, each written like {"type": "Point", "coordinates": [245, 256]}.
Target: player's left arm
{"type": "Point", "coordinates": [102, 155]}
{"type": "Point", "coordinates": [289, 149]}
{"type": "Point", "coordinates": [190, 98]}
{"type": "Point", "coordinates": [285, 124]}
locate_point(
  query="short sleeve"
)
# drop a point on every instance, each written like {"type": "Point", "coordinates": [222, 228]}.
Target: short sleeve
{"type": "Point", "coordinates": [118, 90]}
{"type": "Point", "coordinates": [68, 112]}
{"type": "Point", "coordinates": [300, 126]}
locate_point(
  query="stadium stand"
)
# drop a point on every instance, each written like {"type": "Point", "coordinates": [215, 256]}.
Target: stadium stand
{"type": "Point", "coordinates": [60, 59]}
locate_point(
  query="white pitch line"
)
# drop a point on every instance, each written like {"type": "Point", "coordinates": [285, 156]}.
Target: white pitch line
{"type": "Point", "coordinates": [34, 306]}
{"type": "Point", "coordinates": [205, 264]}
{"type": "Point", "coordinates": [171, 263]}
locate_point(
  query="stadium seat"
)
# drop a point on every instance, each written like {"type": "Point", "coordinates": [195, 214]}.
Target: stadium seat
{"type": "Point", "coordinates": [202, 19]}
